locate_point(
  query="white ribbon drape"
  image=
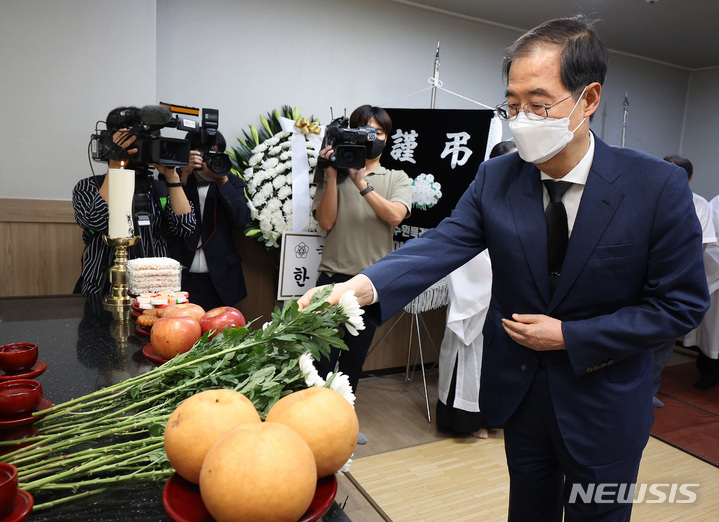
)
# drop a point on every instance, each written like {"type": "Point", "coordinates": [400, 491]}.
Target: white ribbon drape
{"type": "Point", "coordinates": [301, 172]}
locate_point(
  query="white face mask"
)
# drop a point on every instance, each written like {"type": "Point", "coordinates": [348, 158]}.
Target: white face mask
{"type": "Point", "coordinates": [540, 140]}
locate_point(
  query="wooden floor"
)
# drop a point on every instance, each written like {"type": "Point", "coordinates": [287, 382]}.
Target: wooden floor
{"type": "Point", "coordinates": [411, 471]}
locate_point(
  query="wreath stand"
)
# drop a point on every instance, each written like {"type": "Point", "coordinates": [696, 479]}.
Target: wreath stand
{"type": "Point", "coordinates": [438, 294]}
{"type": "Point", "coordinates": [433, 297]}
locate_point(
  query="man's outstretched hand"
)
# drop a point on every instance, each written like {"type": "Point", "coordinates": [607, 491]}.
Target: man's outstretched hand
{"type": "Point", "coordinates": [359, 283]}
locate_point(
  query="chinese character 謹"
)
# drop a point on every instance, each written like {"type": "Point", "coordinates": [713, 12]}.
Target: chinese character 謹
{"type": "Point", "coordinates": [403, 145]}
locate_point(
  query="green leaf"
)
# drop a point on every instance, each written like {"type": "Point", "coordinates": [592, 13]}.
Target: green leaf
{"type": "Point", "coordinates": [266, 125]}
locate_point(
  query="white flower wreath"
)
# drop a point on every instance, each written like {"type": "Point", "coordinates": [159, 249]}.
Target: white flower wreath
{"type": "Point", "coordinates": [266, 168]}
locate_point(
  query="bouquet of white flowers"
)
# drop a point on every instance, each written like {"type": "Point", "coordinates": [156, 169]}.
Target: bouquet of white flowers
{"type": "Point", "coordinates": [264, 160]}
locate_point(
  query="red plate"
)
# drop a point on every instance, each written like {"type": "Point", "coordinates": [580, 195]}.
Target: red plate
{"type": "Point", "coordinates": [149, 352]}
{"type": "Point", "coordinates": [183, 503]}
{"type": "Point", "coordinates": [37, 369]}
{"type": "Point", "coordinates": [20, 508]}
{"type": "Point", "coordinates": [140, 330]}
{"type": "Point", "coordinates": [25, 418]}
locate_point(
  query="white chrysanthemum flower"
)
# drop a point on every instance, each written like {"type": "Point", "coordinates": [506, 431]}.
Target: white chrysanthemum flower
{"type": "Point", "coordinates": [274, 151]}
{"type": "Point", "coordinates": [262, 147]}
{"type": "Point", "coordinates": [274, 140]}
{"type": "Point", "coordinates": [254, 160]}
{"type": "Point", "coordinates": [265, 227]}
{"type": "Point", "coordinates": [284, 192]}
{"type": "Point", "coordinates": [273, 205]}
{"type": "Point", "coordinates": [309, 372]}
{"type": "Point", "coordinates": [283, 167]}
{"type": "Point", "coordinates": [266, 191]}
{"type": "Point", "coordinates": [259, 177]}
{"type": "Point", "coordinates": [259, 199]}
{"type": "Point", "coordinates": [277, 220]}
{"type": "Point", "coordinates": [340, 383]}
{"type": "Point", "coordinates": [279, 181]}
{"type": "Point", "coordinates": [249, 171]}
{"type": "Point", "coordinates": [351, 308]}
{"type": "Point", "coordinates": [270, 163]}
{"type": "Point", "coordinates": [286, 145]}
{"type": "Point", "coordinates": [287, 206]}
{"type": "Point", "coordinates": [312, 162]}
{"type": "Point", "coordinates": [285, 155]}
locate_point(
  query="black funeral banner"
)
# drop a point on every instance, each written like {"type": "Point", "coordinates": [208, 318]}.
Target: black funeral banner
{"type": "Point", "coordinates": [440, 150]}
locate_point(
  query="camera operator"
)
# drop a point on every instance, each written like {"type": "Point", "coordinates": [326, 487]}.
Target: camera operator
{"type": "Point", "coordinates": [169, 209]}
{"type": "Point", "coordinates": [359, 209]}
{"type": "Point", "coordinates": [212, 269]}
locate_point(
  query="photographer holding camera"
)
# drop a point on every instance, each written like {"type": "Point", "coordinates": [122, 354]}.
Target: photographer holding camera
{"type": "Point", "coordinates": [163, 205]}
{"type": "Point", "coordinates": [212, 269]}
{"type": "Point", "coordinates": [359, 208]}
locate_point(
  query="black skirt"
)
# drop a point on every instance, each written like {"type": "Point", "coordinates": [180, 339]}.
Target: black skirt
{"type": "Point", "coordinates": [454, 419]}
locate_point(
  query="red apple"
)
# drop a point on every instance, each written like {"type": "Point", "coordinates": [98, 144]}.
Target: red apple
{"type": "Point", "coordinates": [170, 336]}
{"type": "Point", "coordinates": [218, 318]}
{"type": "Point", "coordinates": [186, 309]}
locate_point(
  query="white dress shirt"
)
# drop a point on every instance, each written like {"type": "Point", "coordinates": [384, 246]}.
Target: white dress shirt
{"type": "Point", "coordinates": [578, 178]}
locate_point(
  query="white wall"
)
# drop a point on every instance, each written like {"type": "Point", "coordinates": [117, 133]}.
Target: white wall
{"type": "Point", "coordinates": [66, 64]}
{"type": "Point", "coordinates": [649, 129]}
{"type": "Point", "coordinates": [317, 54]}
{"type": "Point", "coordinates": [699, 143]}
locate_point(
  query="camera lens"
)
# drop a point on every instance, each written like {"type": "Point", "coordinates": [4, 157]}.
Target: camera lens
{"type": "Point", "coordinates": [349, 157]}
{"type": "Point", "coordinates": [219, 163]}
{"type": "Point", "coordinates": [168, 151]}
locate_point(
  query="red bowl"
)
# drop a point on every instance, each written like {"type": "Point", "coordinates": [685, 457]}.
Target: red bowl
{"type": "Point", "coordinates": [19, 396]}
{"type": "Point", "coordinates": [8, 486]}
{"type": "Point", "coordinates": [18, 357]}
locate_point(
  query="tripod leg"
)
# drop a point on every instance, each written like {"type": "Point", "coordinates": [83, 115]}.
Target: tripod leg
{"type": "Point", "coordinates": [409, 350]}
{"type": "Point", "coordinates": [424, 377]}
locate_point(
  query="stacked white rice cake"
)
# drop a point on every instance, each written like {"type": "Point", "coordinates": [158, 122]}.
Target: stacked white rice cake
{"type": "Point", "coordinates": [153, 275]}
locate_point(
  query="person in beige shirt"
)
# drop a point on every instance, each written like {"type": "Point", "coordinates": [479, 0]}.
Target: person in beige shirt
{"type": "Point", "coordinates": [359, 209]}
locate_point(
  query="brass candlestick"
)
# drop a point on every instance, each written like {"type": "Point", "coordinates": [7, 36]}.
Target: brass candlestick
{"type": "Point", "coordinates": [117, 301]}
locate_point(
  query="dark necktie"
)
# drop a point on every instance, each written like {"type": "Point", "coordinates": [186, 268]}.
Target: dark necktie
{"type": "Point", "coordinates": [557, 229]}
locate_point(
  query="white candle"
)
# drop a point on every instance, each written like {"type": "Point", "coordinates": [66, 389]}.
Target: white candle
{"type": "Point", "coordinates": [121, 190]}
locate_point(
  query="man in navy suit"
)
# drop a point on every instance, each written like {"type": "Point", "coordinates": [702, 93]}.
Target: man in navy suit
{"type": "Point", "coordinates": [567, 365]}
{"type": "Point", "coordinates": [212, 269]}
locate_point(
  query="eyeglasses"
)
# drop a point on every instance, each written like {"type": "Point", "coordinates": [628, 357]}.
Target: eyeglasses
{"type": "Point", "coordinates": [533, 110]}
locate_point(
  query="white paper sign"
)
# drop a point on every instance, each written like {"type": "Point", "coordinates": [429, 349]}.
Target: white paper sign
{"type": "Point", "coordinates": [300, 255]}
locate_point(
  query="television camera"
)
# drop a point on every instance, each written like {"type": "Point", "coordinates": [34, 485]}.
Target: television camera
{"type": "Point", "coordinates": [349, 145]}
{"type": "Point", "coordinates": [145, 124]}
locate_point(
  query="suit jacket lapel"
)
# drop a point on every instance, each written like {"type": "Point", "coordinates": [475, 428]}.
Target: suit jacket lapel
{"type": "Point", "coordinates": [528, 211]}
{"type": "Point", "coordinates": [599, 202]}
